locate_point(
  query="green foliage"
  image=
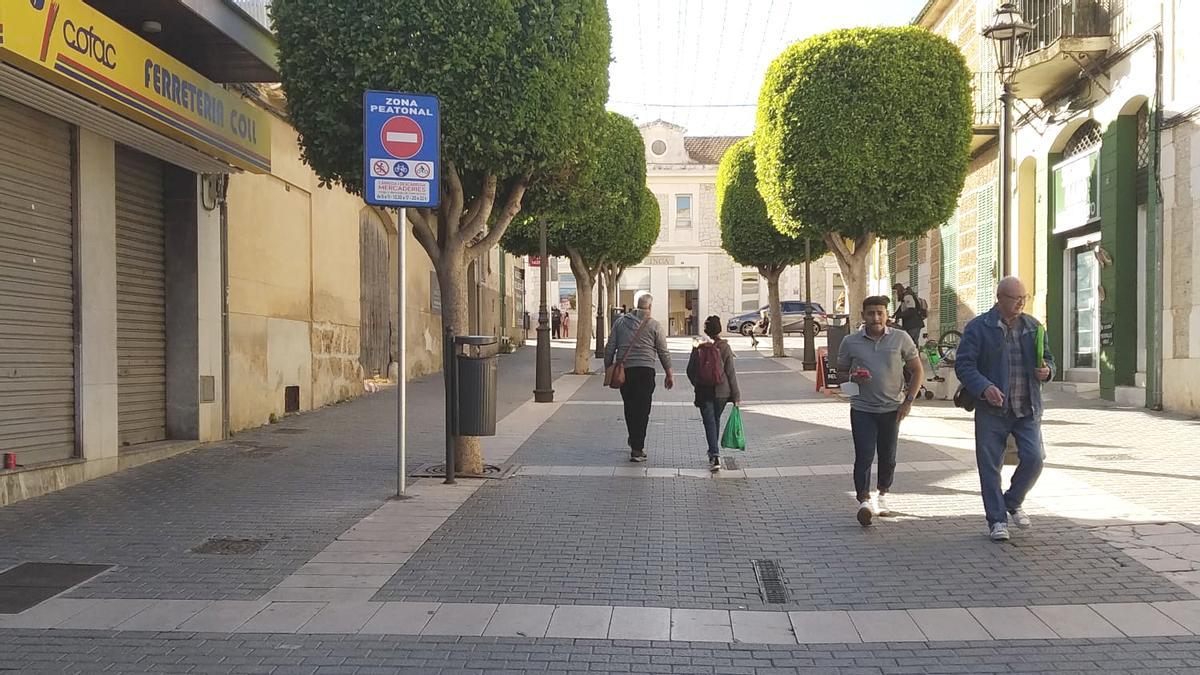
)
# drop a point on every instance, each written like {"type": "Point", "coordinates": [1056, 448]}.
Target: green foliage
{"type": "Point", "coordinates": [514, 77]}
{"type": "Point", "coordinates": [596, 207]}
{"type": "Point", "coordinates": [865, 130]}
{"type": "Point", "coordinates": [644, 235]}
{"type": "Point", "coordinates": [747, 233]}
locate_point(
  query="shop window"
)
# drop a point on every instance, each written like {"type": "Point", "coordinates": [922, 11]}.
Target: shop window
{"type": "Point", "coordinates": [750, 291]}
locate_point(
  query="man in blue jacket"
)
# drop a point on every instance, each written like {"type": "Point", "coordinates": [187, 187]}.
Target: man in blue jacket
{"type": "Point", "coordinates": [998, 364]}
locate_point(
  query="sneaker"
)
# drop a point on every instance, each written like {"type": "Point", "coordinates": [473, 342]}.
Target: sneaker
{"type": "Point", "coordinates": [999, 532]}
{"type": "Point", "coordinates": [1020, 518]}
{"type": "Point", "coordinates": [865, 513]}
{"type": "Point", "coordinates": [638, 456]}
{"type": "Point", "coordinates": [714, 464]}
{"type": "Point", "coordinates": [881, 506]}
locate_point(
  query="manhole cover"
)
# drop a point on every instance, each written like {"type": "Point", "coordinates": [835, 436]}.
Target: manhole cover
{"type": "Point", "coordinates": [439, 471]}
{"type": "Point", "coordinates": [770, 582]}
{"type": "Point", "coordinates": [1112, 458]}
{"type": "Point", "coordinates": [224, 546]}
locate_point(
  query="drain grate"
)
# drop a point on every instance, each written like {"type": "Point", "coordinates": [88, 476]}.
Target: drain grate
{"type": "Point", "coordinates": [730, 463]}
{"type": "Point", "coordinates": [770, 582]}
{"type": "Point", "coordinates": [439, 470]}
{"type": "Point", "coordinates": [227, 546]}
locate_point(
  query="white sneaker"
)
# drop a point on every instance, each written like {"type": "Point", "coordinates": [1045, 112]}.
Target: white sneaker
{"type": "Point", "coordinates": [881, 506]}
{"type": "Point", "coordinates": [999, 532]}
{"type": "Point", "coordinates": [865, 513]}
{"type": "Point", "coordinates": [1020, 518]}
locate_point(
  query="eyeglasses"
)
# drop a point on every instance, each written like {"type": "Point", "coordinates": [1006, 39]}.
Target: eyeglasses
{"type": "Point", "coordinates": [1017, 299]}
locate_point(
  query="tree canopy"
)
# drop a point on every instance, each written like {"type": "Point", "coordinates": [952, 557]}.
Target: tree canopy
{"type": "Point", "coordinates": [865, 130]}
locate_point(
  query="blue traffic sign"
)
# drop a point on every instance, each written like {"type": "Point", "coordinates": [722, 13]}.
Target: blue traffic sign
{"type": "Point", "coordinates": [401, 149]}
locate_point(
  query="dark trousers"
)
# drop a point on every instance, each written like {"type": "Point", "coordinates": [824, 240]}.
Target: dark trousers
{"type": "Point", "coordinates": [638, 394]}
{"type": "Point", "coordinates": [873, 432]}
{"type": "Point", "coordinates": [555, 330]}
{"type": "Point", "coordinates": [710, 414]}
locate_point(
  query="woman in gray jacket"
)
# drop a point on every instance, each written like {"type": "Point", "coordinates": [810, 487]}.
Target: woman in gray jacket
{"type": "Point", "coordinates": [711, 397]}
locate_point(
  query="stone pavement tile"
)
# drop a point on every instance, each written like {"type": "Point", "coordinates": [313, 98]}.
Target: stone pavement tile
{"type": "Point", "coordinates": [695, 473]}
{"type": "Point", "coordinates": [401, 618]}
{"type": "Point", "coordinates": [789, 471]}
{"type": "Point", "coordinates": [349, 546]}
{"type": "Point", "coordinates": [223, 616]}
{"type": "Point", "coordinates": [597, 471]}
{"type": "Point", "coordinates": [361, 557]}
{"type": "Point", "coordinates": [349, 569]}
{"type": "Point", "coordinates": [164, 615]}
{"type": "Point", "coordinates": [832, 469]}
{"type": "Point", "coordinates": [464, 618]}
{"type": "Point", "coordinates": [334, 581]}
{"type": "Point", "coordinates": [825, 627]}
{"type": "Point", "coordinates": [701, 625]}
{"type": "Point", "coordinates": [1075, 621]}
{"type": "Point", "coordinates": [48, 614]}
{"type": "Point", "coordinates": [767, 472]}
{"type": "Point", "coordinates": [1183, 612]}
{"type": "Point", "coordinates": [656, 472]}
{"type": "Point", "coordinates": [629, 472]}
{"type": "Point", "coordinates": [886, 625]}
{"type": "Point", "coordinates": [762, 628]}
{"type": "Point", "coordinates": [640, 623]}
{"type": "Point", "coordinates": [520, 621]}
{"type": "Point", "coordinates": [106, 614]}
{"type": "Point", "coordinates": [730, 473]}
{"type": "Point", "coordinates": [580, 621]}
{"type": "Point", "coordinates": [1138, 619]}
{"type": "Point", "coordinates": [319, 594]}
{"type": "Point", "coordinates": [945, 624]}
{"type": "Point", "coordinates": [281, 617]}
{"type": "Point", "coordinates": [341, 617]}
{"type": "Point", "coordinates": [1012, 623]}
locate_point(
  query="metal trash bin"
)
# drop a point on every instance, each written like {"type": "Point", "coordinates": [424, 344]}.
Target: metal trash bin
{"type": "Point", "coordinates": [477, 372]}
{"type": "Point", "coordinates": [838, 328]}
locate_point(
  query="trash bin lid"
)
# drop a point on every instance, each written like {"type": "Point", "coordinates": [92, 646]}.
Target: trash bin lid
{"type": "Point", "coordinates": [474, 340]}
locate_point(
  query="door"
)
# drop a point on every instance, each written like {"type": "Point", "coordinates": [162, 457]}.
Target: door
{"type": "Point", "coordinates": [375, 318]}
{"type": "Point", "coordinates": [1084, 307]}
{"type": "Point", "coordinates": [37, 287]}
{"type": "Point", "coordinates": [141, 300]}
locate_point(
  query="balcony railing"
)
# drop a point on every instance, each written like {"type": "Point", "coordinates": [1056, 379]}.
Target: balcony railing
{"type": "Point", "coordinates": [255, 9]}
{"type": "Point", "coordinates": [1053, 20]}
{"type": "Point", "coordinates": [985, 96]}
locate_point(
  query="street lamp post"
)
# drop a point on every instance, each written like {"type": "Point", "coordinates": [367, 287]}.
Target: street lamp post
{"type": "Point", "coordinates": [810, 347]}
{"type": "Point", "coordinates": [1007, 28]}
{"type": "Point", "coordinates": [543, 389]}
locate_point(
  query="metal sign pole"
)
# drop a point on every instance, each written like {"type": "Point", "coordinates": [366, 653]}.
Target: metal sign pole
{"type": "Point", "coordinates": [401, 356]}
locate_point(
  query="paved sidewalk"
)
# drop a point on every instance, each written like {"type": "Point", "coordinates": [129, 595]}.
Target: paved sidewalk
{"type": "Point", "coordinates": [584, 562]}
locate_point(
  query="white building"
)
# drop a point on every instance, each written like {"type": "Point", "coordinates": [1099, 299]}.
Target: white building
{"type": "Point", "coordinates": [687, 271]}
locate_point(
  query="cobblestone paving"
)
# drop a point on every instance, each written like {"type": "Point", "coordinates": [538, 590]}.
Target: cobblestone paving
{"type": "Point", "coordinates": [297, 492]}
{"type": "Point", "coordinates": [92, 652]}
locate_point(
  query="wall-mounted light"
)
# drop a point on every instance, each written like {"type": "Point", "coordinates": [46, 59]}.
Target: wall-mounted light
{"type": "Point", "coordinates": [151, 27]}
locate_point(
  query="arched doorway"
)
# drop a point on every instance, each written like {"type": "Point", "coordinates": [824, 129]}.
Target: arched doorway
{"type": "Point", "coordinates": [374, 328]}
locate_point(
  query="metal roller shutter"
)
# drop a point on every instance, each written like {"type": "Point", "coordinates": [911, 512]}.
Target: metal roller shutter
{"type": "Point", "coordinates": [37, 287]}
{"type": "Point", "coordinates": [141, 305]}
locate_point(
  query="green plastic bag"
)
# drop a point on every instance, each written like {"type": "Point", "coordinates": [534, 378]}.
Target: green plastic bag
{"type": "Point", "coordinates": [734, 437]}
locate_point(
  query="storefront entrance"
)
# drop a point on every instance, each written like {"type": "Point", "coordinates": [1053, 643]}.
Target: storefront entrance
{"type": "Point", "coordinates": [683, 301]}
{"type": "Point", "coordinates": [1083, 309]}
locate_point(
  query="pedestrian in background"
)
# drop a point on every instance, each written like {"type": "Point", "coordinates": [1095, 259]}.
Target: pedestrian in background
{"type": "Point", "coordinates": [566, 324]}
{"type": "Point", "coordinates": [1002, 364]}
{"type": "Point", "coordinates": [875, 359]}
{"type": "Point", "coordinates": [555, 323]}
{"type": "Point", "coordinates": [711, 371]}
{"type": "Point", "coordinates": [636, 341]}
{"type": "Point", "coordinates": [908, 312]}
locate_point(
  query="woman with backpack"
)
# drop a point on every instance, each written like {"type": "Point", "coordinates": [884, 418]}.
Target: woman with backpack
{"type": "Point", "coordinates": [711, 371]}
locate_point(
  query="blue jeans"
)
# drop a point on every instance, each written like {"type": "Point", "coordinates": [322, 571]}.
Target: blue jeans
{"type": "Point", "coordinates": [873, 432]}
{"type": "Point", "coordinates": [710, 413]}
{"type": "Point", "coordinates": [991, 435]}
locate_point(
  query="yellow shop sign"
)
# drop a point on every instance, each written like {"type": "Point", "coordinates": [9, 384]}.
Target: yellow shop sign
{"type": "Point", "coordinates": [70, 44]}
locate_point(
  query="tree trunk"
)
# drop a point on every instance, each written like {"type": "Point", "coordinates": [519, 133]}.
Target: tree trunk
{"type": "Point", "coordinates": [772, 275]}
{"type": "Point", "coordinates": [452, 281]}
{"type": "Point", "coordinates": [584, 278]}
{"type": "Point", "coordinates": [614, 278]}
{"type": "Point", "coordinates": [852, 260]}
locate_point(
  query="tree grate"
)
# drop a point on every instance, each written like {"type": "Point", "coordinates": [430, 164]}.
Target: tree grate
{"type": "Point", "coordinates": [770, 582]}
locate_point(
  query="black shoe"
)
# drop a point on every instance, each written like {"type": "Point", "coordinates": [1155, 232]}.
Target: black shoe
{"type": "Point", "coordinates": [714, 464]}
{"type": "Point", "coordinates": [637, 456]}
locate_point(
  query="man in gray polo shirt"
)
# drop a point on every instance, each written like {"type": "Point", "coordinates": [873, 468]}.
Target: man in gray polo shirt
{"type": "Point", "coordinates": [874, 359]}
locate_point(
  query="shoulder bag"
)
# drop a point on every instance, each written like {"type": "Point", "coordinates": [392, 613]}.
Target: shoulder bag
{"type": "Point", "coordinates": [614, 375]}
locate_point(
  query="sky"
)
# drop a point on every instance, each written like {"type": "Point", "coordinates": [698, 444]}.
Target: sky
{"type": "Point", "coordinates": [700, 63]}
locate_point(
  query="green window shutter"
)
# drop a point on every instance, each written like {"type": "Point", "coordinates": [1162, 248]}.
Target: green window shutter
{"type": "Point", "coordinates": [891, 263]}
{"type": "Point", "coordinates": [948, 314]}
{"type": "Point", "coordinates": [986, 258]}
{"type": "Point", "coordinates": [913, 265]}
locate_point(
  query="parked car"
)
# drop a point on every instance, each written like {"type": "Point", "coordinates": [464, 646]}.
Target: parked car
{"type": "Point", "coordinates": [793, 318]}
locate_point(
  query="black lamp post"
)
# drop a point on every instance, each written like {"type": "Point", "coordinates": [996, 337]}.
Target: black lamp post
{"type": "Point", "coordinates": [1005, 32]}
{"type": "Point", "coordinates": [810, 348]}
{"type": "Point", "coordinates": [543, 391]}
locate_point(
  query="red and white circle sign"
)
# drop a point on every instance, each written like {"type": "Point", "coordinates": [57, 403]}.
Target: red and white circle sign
{"type": "Point", "coordinates": [401, 137]}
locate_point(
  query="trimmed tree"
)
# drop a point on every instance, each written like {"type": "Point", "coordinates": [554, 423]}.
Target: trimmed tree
{"type": "Point", "coordinates": [514, 78]}
{"type": "Point", "coordinates": [864, 133]}
{"type": "Point", "coordinates": [749, 236]}
{"type": "Point", "coordinates": [592, 214]}
{"type": "Point", "coordinates": [638, 247]}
